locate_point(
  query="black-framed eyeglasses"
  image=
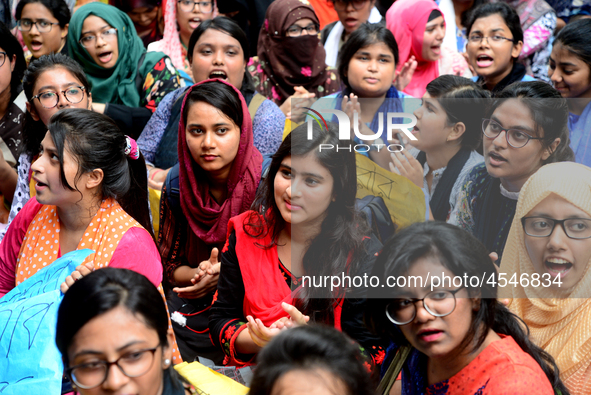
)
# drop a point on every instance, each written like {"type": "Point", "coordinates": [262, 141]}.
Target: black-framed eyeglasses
{"type": "Point", "coordinates": [50, 99]}
{"type": "Point", "coordinates": [438, 303]}
{"type": "Point", "coordinates": [341, 5]}
{"type": "Point", "coordinates": [297, 31]}
{"type": "Point", "coordinates": [89, 40]}
{"type": "Point", "coordinates": [3, 56]}
{"type": "Point", "coordinates": [189, 5]}
{"type": "Point", "coordinates": [42, 25]}
{"type": "Point", "coordinates": [496, 39]}
{"type": "Point", "coordinates": [515, 138]}
{"type": "Point", "coordinates": [574, 228]}
{"type": "Point", "coordinates": [92, 374]}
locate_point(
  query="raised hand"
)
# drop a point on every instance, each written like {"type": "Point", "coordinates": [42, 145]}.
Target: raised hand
{"type": "Point", "coordinates": [406, 165]}
{"type": "Point", "coordinates": [404, 76]}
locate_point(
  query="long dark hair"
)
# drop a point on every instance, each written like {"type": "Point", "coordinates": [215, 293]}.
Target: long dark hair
{"type": "Point", "coordinates": [463, 255]}
{"type": "Point", "coordinates": [463, 101]}
{"type": "Point", "coordinates": [96, 142]}
{"type": "Point", "coordinates": [11, 46]}
{"type": "Point", "coordinates": [342, 227]}
{"type": "Point", "coordinates": [58, 8]}
{"type": "Point", "coordinates": [366, 35]}
{"type": "Point", "coordinates": [570, 38]}
{"type": "Point", "coordinates": [549, 111]}
{"type": "Point", "coordinates": [228, 26]}
{"type": "Point", "coordinates": [104, 290]}
{"type": "Point", "coordinates": [34, 131]}
{"type": "Point", "coordinates": [311, 348]}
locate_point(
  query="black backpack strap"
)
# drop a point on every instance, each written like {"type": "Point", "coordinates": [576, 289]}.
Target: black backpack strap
{"type": "Point", "coordinates": [173, 195]}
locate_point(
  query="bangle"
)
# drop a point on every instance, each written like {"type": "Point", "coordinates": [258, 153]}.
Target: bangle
{"type": "Point", "coordinates": [154, 173]}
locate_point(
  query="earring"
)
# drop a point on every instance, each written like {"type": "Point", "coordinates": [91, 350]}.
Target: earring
{"type": "Point", "coordinates": [167, 362]}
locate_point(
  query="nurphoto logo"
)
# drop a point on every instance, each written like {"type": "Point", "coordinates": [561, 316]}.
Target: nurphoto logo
{"type": "Point", "coordinates": [393, 126]}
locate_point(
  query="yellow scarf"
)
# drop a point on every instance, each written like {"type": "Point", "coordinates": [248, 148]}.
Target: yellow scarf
{"type": "Point", "coordinates": [559, 323]}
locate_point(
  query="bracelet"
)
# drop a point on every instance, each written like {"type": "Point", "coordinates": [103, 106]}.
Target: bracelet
{"type": "Point", "coordinates": [154, 173]}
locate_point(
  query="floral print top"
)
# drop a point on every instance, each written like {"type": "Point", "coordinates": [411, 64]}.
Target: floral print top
{"type": "Point", "coordinates": [159, 82]}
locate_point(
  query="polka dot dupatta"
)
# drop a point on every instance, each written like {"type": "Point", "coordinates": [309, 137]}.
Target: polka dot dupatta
{"type": "Point", "coordinates": [41, 243]}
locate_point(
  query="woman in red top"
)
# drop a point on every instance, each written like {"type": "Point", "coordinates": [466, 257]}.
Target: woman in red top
{"type": "Point", "coordinates": [304, 228]}
{"type": "Point", "coordinates": [444, 306]}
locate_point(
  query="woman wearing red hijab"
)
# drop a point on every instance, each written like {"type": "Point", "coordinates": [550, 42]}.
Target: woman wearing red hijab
{"type": "Point", "coordinates": [216, 178]}
{"type": "Point", "coordinates": [421, 38]}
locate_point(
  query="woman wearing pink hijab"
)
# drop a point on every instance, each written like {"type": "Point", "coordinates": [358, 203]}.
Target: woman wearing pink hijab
{"type": "Point", "coordinates": [419, 29]}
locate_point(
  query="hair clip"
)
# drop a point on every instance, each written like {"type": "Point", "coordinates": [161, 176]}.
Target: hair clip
{"type": "Point", "coordinates": [131, 149]}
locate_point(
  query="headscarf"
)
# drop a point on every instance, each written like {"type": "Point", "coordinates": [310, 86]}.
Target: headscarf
{"type": "Point", "coordinates": [558, 322]}
{"type": "Point", "coordinates": [207, 218]}
{"type": "Point", "coordinates": [407, 20]}
{"type": "Point", "coordinates": [529, 11]}
{"type": "Point", "coordinates": [171, 42]}
{"type": "Point", "coordinates": [291, 61]}
{"type": "Point", "coordinates": [118, 84]}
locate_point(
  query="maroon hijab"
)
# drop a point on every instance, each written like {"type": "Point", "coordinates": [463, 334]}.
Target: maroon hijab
{"type": "Point", "coordinates": [207, 218]}
{"type": "Point", "coordinates": [291, 61]}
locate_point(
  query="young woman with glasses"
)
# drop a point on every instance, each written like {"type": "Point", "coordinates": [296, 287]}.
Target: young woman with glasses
{"type": "Point", "coordinates": [495, 40]}
{"type": "Point", "coordinates": [113, 334]}
{"type": "Point", "coordinates": [352, 14]}
{"type": "Point", "coordinates": [127, 82]}
{"type": "Point", "coordinates": [44, 26]}
{"type": "Point", "coordinates": [12, 110]}
{"type": "Point", "coordinates": [550, 245]}
{"type": "Point", "coordinates": [50, 83]}
{"type": "Point", "coordinates": [460, 338]}
{"type": "Point", "coordinates": [291, 61]}
{"type": "Point", "coordinates": [524, 129]}
{"type": "Point", "coordinates": [181, 18]}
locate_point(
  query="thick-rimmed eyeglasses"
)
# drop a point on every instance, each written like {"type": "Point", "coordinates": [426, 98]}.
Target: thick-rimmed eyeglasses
{"type": "Point", "coordinates": [50, 99]}
{"type": "Point", "coordinates": [437, 303]}
{"type": "Point", "coordinates": [574, 228]}
{"type": "Point", "coordinates": [42, 25]}
{"type": "Point", "coordinates": [89, 41]}
{"type": "Point", "coordinates": [515, 138]}
{"type": "Point", "coordinates": [189, 5]}
{"type": "Point", "coordinates": [496, 39]}
{"type": "Point", "coordinates": [296, 31]}
{"type": "Point", "coordinates": [92, 374]}
{"type": "Point", "coordinates": [341, 5]}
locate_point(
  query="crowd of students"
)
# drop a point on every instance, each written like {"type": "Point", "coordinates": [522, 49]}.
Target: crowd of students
{"type": "Point", "coordinates": [104, 106]}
